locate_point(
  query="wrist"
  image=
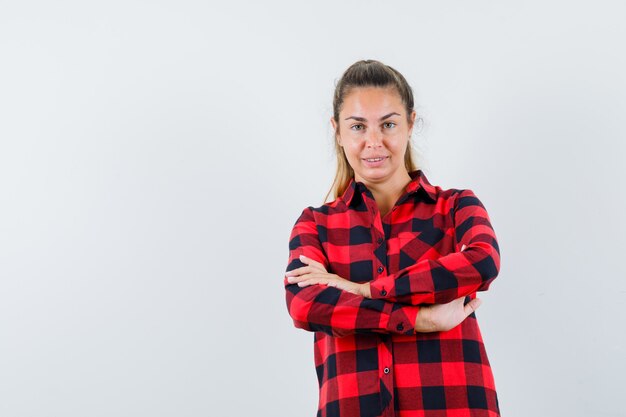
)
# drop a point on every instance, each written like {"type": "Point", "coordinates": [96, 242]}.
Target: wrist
{"type": "Point", "coordinates": [423, 322]}
{"type": "Point", "coordinates": [366, 291]}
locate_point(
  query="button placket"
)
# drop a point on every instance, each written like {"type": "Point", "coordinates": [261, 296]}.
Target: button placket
{"type": "Point", "coordinates": [385, 361]}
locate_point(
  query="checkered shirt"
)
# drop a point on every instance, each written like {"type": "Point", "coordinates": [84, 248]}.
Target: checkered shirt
{"type": "Point", "coordinates": [434, 246]}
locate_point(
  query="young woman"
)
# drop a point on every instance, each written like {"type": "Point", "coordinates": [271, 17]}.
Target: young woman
{"type": "Point", "coordinates": [386, 274]}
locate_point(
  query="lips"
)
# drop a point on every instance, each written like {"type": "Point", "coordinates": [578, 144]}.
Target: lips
{"type": "Point", "coordinates": [375, 161]}
{"type": "Point", "coordinates": [374, 158]}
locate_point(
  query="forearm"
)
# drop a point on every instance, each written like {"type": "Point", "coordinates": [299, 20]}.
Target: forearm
{"type": "Point", "coordinates": [339, 313]}
{"type": "Point", "coordinates": [441, 280]}
{"type": "Point", "coordinates": [328, 309]}
{"type": "Point", "coordinates": [454, 275]}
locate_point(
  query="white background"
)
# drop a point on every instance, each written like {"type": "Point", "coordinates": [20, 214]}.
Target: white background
{"type": "Point", "coordinates": [155, 155]}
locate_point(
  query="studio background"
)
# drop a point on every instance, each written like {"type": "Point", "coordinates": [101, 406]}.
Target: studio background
{"type": "Point", "coordinates": [154, 157]}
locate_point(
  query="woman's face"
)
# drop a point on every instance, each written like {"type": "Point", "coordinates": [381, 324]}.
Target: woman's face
{"type": "Point", "coordinates": [374, 133]}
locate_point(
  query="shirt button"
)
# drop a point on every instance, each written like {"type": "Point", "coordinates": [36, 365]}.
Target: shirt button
{"type": "Point", "coordinates": [380, 240]}
{"type": "Point", "coordinates": [383, 293]}
{"type": "Point", "coordinates": [400, 327]}
{"type": "Point", "coordinates": [380, 269]}
{"type": "Point", "coordinates": [386, 370]}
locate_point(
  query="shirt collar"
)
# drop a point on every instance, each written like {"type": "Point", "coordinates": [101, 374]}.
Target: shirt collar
{"type": "Point", "coordinates": [418, 181]}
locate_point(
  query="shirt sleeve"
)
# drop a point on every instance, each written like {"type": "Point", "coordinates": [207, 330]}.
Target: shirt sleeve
{"type": "Point", "coordinates": [455, 275]}
{"type": "Point", "coordinates": [330, 310]}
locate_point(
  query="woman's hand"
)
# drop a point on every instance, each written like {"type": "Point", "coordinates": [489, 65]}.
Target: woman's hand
{"type": "Point", "coordinates": [443, 317]}
{"type": "Point", "coordinates": [315, 273]}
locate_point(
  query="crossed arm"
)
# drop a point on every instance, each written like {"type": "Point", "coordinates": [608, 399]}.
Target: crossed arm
{"type": "Point", "coordinates": [426, 296]}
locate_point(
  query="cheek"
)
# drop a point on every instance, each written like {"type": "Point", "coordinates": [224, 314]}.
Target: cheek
{"type": "Point", "coordinates": [353, 149]}
{"type": "Point", "coordinates": [398, 145]}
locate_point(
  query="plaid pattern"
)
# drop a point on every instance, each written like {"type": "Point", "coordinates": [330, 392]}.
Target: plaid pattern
{"type": "Point", "coordinates": [433, 247]}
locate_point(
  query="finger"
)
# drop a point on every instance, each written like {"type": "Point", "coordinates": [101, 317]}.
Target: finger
{"type": "Point", "coordinates": [472, 306]}
{"type": "Point", "coordinates": [306, 282]}
{"type": "Point", "coordinates": [299, 271]}
{"type": "Point", "coordinates": [312, 262]}
{"type": "Point", "coordinates": [317, 275]}
{"type": "Point", "coordinates": [299, 278]}
{"type": "Point", "coordinates": [318, 281]}
{"type": "Point", "coordinates": [456, 301]}
{"type": "Point", "coordinates": [295, 272]}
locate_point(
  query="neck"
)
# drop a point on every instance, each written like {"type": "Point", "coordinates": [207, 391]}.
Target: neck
{"type": "Point", "coordinates": [388, 192]}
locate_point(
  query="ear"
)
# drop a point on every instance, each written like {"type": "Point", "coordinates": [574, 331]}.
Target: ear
{"type": "Point", "coordinates": [413, 115]}
{"type": "Point", "coordinates": [334, 124]}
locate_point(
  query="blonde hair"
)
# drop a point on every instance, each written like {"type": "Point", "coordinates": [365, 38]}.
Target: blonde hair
{"type": "Point", "coordinates": [366, 73]}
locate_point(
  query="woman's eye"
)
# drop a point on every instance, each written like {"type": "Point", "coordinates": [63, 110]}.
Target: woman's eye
{"type": "Point", "coordinates": [389, 125]}
{"type": "Point", "coordinates": [357, 127]}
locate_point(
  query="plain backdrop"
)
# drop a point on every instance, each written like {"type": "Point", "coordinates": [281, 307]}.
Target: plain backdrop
{"type": "Point", "coordinates": [154, 156]}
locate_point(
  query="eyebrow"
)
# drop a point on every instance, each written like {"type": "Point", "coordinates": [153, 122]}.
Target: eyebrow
{"type": "Point", "coordinates": [363, 119]}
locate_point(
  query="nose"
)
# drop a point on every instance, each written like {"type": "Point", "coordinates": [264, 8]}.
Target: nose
{"type": "Point", "coordinates": [374, 139]}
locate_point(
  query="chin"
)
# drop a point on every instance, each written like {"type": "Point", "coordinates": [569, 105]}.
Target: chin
{"type": "Point", "coordinates": [374, 174]}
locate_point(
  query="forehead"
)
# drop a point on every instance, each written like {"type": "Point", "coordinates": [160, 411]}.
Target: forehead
{"type": "Point", "coordinates": [372, 100]}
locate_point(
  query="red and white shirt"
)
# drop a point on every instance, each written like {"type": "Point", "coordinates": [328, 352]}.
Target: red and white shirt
{"type": "Point", "coordinates": [434, 246]}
